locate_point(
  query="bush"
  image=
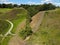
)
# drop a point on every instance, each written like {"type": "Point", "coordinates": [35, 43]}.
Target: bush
{"type": "Point", "coordinates": [25, 33]}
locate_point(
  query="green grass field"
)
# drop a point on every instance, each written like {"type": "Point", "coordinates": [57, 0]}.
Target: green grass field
{"type": "Point", "coordinates": [49, 31]}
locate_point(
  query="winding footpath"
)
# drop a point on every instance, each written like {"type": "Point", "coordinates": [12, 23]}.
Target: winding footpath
{"type": "Point", "coordinates": [9, 31]}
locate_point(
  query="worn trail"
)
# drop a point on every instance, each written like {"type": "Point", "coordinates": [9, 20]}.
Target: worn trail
{"type": "Point", "coordinates": [36, 21]}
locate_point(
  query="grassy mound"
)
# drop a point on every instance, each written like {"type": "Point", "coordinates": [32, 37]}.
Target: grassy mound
{"type": "Point", "coordinates": [4, 26]}
{"type": "Point", "coordinates": [49, 31]}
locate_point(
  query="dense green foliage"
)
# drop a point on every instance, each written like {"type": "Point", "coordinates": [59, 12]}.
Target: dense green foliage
{"type": "Point", "coordinates": [32, 11]}
{"type": "Point", "coordinates": [24, 5]}
{"type": "Point", "coordinates": [8, 5]}
{"type": "Point", "coordinates": [25, 33]}
{"type": "Point", "coordinates": [47, 7]}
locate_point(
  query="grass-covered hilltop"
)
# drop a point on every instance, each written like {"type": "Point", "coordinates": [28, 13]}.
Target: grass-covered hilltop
{"type": "Point", "coordinates": [29, 24]}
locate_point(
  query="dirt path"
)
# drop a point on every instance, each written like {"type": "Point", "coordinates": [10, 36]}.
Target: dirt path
{"type": "Point", "coordinates": [36, 21]}
{"type": "Point", "coordinates": [15, 40]}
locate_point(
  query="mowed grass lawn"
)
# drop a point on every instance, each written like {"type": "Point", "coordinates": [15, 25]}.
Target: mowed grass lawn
{"type": "Point", "coordinates": [19, 16]}
{"type": "Point", "coordinates": [49, 31]}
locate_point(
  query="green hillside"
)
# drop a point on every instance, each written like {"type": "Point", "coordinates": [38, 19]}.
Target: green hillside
{"type": "Point", "coordinates": [16, 16]}
{"type": "Point", "coordinates": [12, 14]}
{"type": "Point", "coordinates": [49, 31]}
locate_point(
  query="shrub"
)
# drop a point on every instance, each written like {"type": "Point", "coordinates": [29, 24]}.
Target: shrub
{"type": "Point", "coordinates": [25, 33]}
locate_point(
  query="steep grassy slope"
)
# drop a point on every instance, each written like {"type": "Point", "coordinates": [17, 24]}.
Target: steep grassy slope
{"type": "Point", "coordinates": [49, 31]}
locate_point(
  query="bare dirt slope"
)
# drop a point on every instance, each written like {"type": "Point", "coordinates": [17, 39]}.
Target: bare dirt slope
{"type": "Point", "coordinates": [15, 40]}
{"type": "Point", "coordinates": [36, 21]}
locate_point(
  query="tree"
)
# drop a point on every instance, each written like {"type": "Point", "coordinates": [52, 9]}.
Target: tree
{"type": "Point", "coordinates": [9, 6]}
{"type": "Point", "coordinates": [3, 5]}
{"type": "Point", "coordinates": [0, 5]}
{"type": "Point", "coordinates": [25, 6]}
{"type": "Point", "coordinates": [15, 5]}
{"type": "Point", "coordinates": [32, 11]}
{"type": "Point", "coordinates": [48, 6]}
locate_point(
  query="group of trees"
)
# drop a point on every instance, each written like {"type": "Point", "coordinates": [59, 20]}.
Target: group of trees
{"type": "Point", "coordinates": [8, 5]}
{"type": "Point", "coordinates": [26, 6]}
{"type": "Point", "coordinates": [42, 7]}
{"type": "Point", "coordinates": [33, 9]}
